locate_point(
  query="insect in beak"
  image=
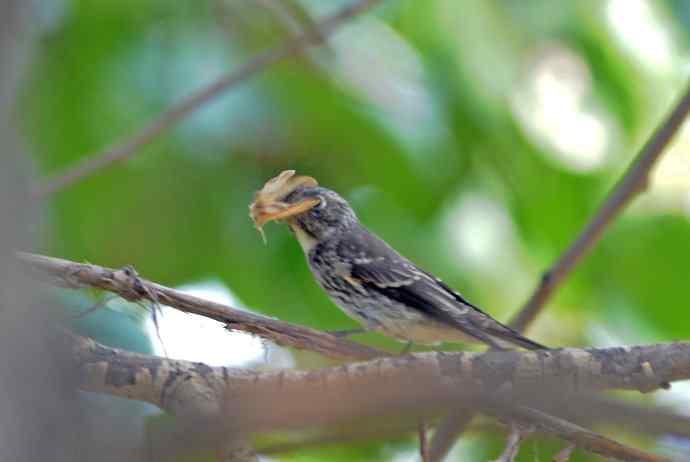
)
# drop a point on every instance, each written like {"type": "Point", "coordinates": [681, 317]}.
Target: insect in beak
{"type": "Point", "coordinates": [268, 204]}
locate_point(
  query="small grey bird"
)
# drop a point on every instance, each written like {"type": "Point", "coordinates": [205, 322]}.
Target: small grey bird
{"type": "Point", "coordinates": [367, 278]}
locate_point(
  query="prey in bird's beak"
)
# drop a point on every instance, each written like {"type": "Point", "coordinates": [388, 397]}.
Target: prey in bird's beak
{"type": "Point", "coordinates": [269, 201]}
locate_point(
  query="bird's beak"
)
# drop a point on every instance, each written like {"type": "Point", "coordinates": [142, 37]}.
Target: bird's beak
{"type": "Point", "coordinates": [279, 211]}
{"type": "Point", "coordinates": [269, 205]}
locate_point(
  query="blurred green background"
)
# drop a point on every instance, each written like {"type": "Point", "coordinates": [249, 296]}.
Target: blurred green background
{"type": "Point", "coordinates": [475, 136]}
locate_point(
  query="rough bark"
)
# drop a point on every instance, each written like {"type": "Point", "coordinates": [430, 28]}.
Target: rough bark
{"type": "Point", "coordinates": [126, 283]}
{"type": "Point", "coordinates": [411, 383]}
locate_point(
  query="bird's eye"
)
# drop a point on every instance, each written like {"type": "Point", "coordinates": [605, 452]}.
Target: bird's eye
{"type": "Point", "coordinates": [322, 203]}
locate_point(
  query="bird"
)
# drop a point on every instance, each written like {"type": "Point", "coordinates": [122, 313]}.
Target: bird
{"type": "Point", "coordinates": [368, 279]}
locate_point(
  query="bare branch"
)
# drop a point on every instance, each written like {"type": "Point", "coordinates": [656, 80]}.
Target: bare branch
{"type": "Point", "coordinates": [583, 438]}
{"type": "Point", "coordinates": [515, 438]}
{"type": "Point", "coordinates": [589, 411]}
{"type": "Point", "coordinates": [125, 149]}
{"type": "Point", "coordinates": [633, 182]}
{"type": "Point", "coordinates": [421, 433]}
{"type": "Point", "coordinates": [564, 455]}
{"type": "Point", "coordinates": [448, 431]}
{"type": "Point", "coordinates": [281, 12]}
{"type": "Point", "coordinates": [421, 379]}
{"type": "Point", "coordinates": [624, 414]}
{"type": "Point", "coordinates": [245, 400]}
{"type": "Point", "coordinates": [127, 284]}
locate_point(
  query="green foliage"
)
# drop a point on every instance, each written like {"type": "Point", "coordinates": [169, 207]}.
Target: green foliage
{"type": "Point", "coordinates": [406, 114]}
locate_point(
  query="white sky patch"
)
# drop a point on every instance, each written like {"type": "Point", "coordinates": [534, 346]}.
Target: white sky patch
{"type": "Point", "coordinates": [196, 338]}
{"type": "Point", "coordinates": [550, 104]}
{"type": "Point", "coordinates": [640, 31]}
{"type": "Point", "coordinates": [677, 398]}
{"type": "Point", "coordinates": [406, 456]}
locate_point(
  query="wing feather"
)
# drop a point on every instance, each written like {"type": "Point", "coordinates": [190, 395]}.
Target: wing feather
{"type": "Point", "coordinates": [385, 271]}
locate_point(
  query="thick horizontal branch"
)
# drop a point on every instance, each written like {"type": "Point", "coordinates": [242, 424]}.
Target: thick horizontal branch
{"type": "Point", "coordinates": [126, 283]}
{"type": "Point", "coordinates": [382, 385]}
{"type": "Point", "coordinates": [390, 386]}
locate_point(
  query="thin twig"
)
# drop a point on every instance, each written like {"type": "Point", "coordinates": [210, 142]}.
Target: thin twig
{"type": "Point", "coordinates": [421, 432]}
{"type": "Point", "coordinates": [295, 27]}
{"type": "Point", "coordinates": [95, 307]}
{"type": "Point", "coordinates": [632, 183]}
{"type": "Point", "coordinates": [615, 413]}
{"type": "Point", "coordinates": [583, 438]}
{"type": "Point", "coordinates": [564, 454]}
{"type": "Point", "coordinates": [281, 12]}
{"type": "Point", "coordinates": [650, 421]}
{"type": "Point", "coordinates": [130, 286]}
{"type": "Point", "coordinates": [448, 431]}
{"type": "Point", "coordinates": [177, 112]}
{"type": "Point", "coordinates": [515, 437]}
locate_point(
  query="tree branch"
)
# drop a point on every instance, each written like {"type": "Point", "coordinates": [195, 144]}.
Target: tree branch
{"type": "Point", "coordinates": [585, 411]}
{"type": "Point", "coordinates": [127, 284]}
{"type": "Point", "coordinates": [421, 379]}
{"type": "Point", "coordinates": [632, 183]}
{"type": "Point", "coordinates": [250, 401]}
{"type": "Point", "coordinates": [125, 149]}
{"type": "Point", "coordinates": [515, 438]}
{"type": "Point", "coordinates": [630, 416]}
{"type": "Point", "coordinates": [581, 437]}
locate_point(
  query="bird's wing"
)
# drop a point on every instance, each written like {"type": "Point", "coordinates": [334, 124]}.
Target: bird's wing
{"type": "Point", "coordinates": [382, 269]}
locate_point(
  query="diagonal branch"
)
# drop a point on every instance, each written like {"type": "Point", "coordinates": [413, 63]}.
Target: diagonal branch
{"type": "Point", "coordinates": [590, 411]}
{"type": "Point", "coordinates": [581, 437]}
{"type": "Point", "coordinates": [126, 283]}
{"type": "Point", "coordinates": [515, 438]}
{"type": "Point", "coordinates": [632, 183]}
{"type": "Point", "coordinates": [125, 149]}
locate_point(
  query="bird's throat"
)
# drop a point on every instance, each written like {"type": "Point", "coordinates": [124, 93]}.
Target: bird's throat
{"type": "Point", "coordinates": [306, 240]}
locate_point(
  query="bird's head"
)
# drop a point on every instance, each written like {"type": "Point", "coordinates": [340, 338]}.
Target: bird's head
{"type": "Point", "coordinates": [312, 212]}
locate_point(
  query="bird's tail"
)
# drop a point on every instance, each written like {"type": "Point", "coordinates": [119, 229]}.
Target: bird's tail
{"type": "Point", "coordinates": [505, 334]}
